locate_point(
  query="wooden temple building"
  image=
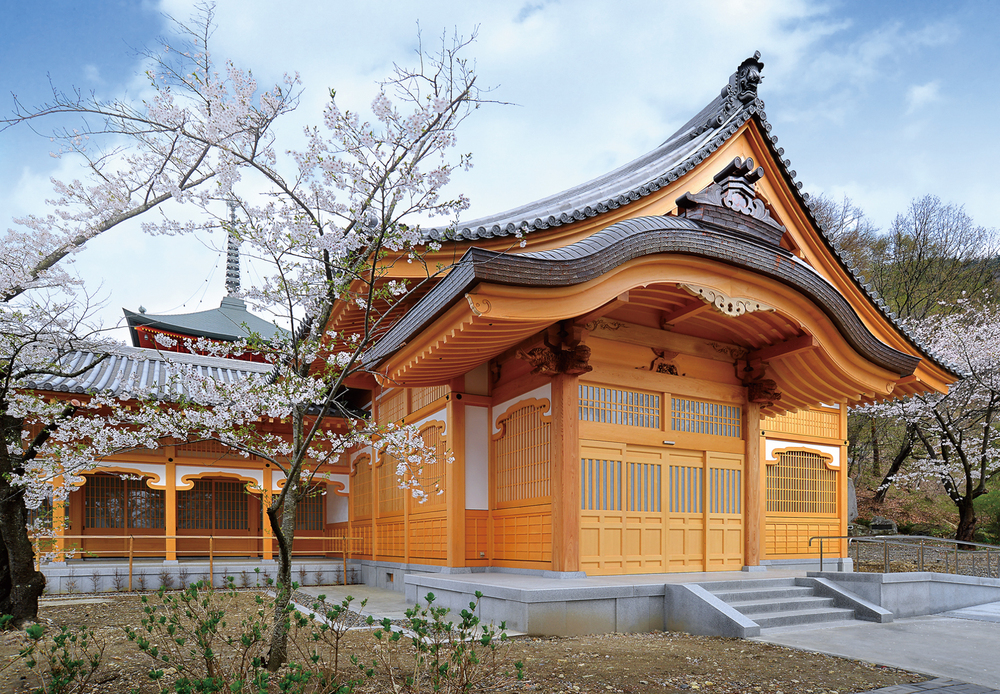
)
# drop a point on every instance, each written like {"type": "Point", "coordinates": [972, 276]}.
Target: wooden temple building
{"type": "Point", "coordinates": [657, 380]}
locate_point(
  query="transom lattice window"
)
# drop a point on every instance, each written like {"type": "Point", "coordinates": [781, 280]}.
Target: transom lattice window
{"type": "Point", "coordinates": [685, 489]}
{"type": "Point", "coordinates": [724, 490]}
{"type": "Point", "coordinates": [213, 505]}
{"type": "Point", "coordinates": [700, 417]}
{"type": "Point", "coordinates": [522, 456]}
{"type": "Point", "coordinates": [361, 488]}
{"type": "Point", "coordinates": [617, 406]}
{"type": "Point", "coordinates": [390, 495]}
{"type": "Point", "coordinates": [419, 397]}
{"type": "Point", "coordinates": [800, 482]}
{"type": "Point", "coordinates": [392, 406]}
{"type": "Point", "coordinates": [113, 502]}
{"type": "Point", "coordinates": [600, 485]}
{"type": "Point", "coordinates": [432, 476]}
{"type": "Point", "coordinates": [644, 485]}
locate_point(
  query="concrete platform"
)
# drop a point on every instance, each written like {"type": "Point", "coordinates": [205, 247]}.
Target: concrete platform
{"type": "Point", "coordinates": [542, 605]}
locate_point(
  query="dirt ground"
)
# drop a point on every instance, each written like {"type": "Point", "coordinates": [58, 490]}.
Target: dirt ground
{"type": "Point", "coordinates": [635, 663]}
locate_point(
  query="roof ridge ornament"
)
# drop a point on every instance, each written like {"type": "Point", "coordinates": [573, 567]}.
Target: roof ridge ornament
{"type": "Point", "coordinates": [742, 89]}
{"type": "Point", "coordinates": [734, 188]}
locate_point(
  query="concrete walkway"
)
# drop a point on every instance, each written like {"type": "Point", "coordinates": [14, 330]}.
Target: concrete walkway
{"type": "Point", "coordinates": [960, 647]}
{"type": "Point", "coordinates": [381, 602]}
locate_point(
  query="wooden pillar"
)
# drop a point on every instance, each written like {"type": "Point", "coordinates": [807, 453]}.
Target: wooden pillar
{"type": "Point", "coordinates": [455, 476]}
{"type": "Point", "coordinates": [170, 504]}
{"type": "Point", "coordinates": [842, 478]}
{"type": "Point", "coordinates": [754, 515]}
{"type": "Point", "coordinates": [565, 454]}
{"type": "Point", "coordinates": [58, 520]}
{"type": "Point", "coordinates": [265, 500]}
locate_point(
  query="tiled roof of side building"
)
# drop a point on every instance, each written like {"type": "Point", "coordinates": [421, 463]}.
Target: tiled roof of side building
{"type": "Point", "coordinates": [132, 367]}
{"type": "Point", "coordinates": [231, 321]}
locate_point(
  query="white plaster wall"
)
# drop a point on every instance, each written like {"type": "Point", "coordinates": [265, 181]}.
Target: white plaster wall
{"type": "Point", "coordinates": [336, 508]}
{"type": "Point", "coordinates": [181, 470]}
{"type": "Point", "coordinates": [477, 459]}
{"type": "Point", "coordinates": [158, 470]}
{"type": "Point", "coordinates": [540, 393]}
{"type": "Point", "coordinates": [772, 445]}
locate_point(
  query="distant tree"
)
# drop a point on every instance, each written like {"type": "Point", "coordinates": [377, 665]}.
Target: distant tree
{"type": "Point", "coordinates": [847, 226]}
{"type": "Point", "coordinates": [954, 438]}
{"type": "Point", "coordinates": [932, 257]}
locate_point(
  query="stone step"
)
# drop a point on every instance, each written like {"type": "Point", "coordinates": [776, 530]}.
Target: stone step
{"type": "Point", "coordinates": [800, 617]}
{"type": "Point", "coordinates": [783, 605]}
{"type": "Point", "coordinates": [750, 584]}
{"type": "Point", "coordinates": [772, 593]}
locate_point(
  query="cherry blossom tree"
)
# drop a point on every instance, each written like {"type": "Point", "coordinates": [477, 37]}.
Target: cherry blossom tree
{"type": "Point", "coordinates": [185, 142]}
{"type": "Point", "coordinates": [954, 438]}
{"type": "Point", "coordinates": [330, 224]}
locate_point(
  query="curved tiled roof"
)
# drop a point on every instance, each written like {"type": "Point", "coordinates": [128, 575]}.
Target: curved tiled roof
{"type": "Point", "coordinates": [633, 238]}
{"type": "Point", "coordinates": [679, 154]}
{"type": "Point", "coordinates": [133, 367]}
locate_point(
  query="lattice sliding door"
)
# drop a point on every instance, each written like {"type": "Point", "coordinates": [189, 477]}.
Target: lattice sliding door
{"type": "Point", "coordinates": [602, 519]}
{"type": "Point", "coordinates": [686, 510]}
{"type": "Point", "coordinates": [645, 522]}
{"type": "Point", "coordinates": [724, 532]}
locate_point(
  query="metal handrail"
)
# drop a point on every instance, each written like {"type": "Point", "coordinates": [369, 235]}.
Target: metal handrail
{"type": "Point", "coordinates": [918, 541]}
{"type": "Point", "coordinates": [60, 549]}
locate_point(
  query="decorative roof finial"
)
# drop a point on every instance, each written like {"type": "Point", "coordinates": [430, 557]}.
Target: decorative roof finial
{"type": "Point", "coordinates": [232, 254]}
{"type": "Point", "coordinates": [743, 83]}
{"type": "Point", "coordinates": [742, 89]}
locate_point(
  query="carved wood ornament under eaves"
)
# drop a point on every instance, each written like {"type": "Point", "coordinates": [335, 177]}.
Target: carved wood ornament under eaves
{"type": "Point", "coordinates": [563, 352]}
{"type": "Point", "coordinates": [730, 306]}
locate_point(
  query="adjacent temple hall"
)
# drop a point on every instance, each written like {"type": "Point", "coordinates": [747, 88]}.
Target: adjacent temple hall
{"type": "Point", "coordinates": [656, 381]}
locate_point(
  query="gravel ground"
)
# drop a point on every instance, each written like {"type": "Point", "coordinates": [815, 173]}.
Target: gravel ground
{"type": "Point", "coordinates": [626, 663]}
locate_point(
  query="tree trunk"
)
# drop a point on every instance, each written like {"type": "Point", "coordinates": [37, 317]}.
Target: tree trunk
{"type": "Point", "coordinates": [277, 653]}
{"type": "Point", "coordinates": [897, 463]}
{"type": "Point", "coordinates": [876, 454]}
{"type": "Point", "coordinates": [966, 520]}
{"type": "Point", "coordinates": [20, 584]}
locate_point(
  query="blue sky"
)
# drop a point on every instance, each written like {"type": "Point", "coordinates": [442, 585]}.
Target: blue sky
{"type": "Point", "coordinates": [880, 101]}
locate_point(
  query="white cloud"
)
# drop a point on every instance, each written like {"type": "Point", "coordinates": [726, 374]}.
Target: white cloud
{"type": "Point", "coordinates": [92, 74]}
{"type": "Point", "coordinates": [920, 95]}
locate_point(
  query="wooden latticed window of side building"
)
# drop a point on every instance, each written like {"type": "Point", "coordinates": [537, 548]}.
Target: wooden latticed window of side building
{"type": "Point", "coordinates": [800, 482]}
{"type": "Point", "coordinates": [213, 505]}
{"type": "Point", "coordinates": [392, 406]}
{"type": "Point", "coordinates": [361, 487]}
{"type": "Point", "coordinates": [432, 476]}
{"type": "Point", "coordinates": [701, 417]}
{"type": "Point", "coordinates": [113, 502]}
{"type": "Point", "coordinates": [390, 494]}
{"type": "Point", "coordinates": [522, 453]}
{"type": "Point", "coordinates": [421, 397]}
{"type": "Point", "coordinates": [310, 512]}
{"type": "Point", "coordinates": [617, 406]}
